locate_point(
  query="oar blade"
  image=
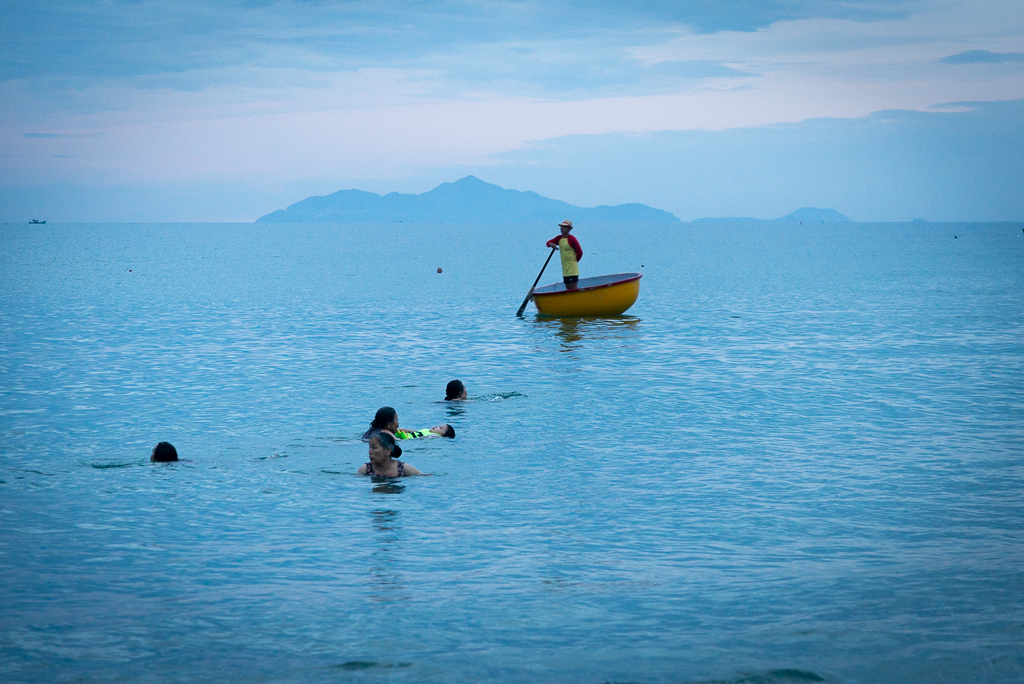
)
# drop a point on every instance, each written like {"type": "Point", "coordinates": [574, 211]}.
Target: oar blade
{"type": "Point", "coordinates": [529, 295]}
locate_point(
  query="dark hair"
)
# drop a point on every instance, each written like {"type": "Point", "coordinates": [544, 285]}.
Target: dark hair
{"type": "Point", "coordinates": [454, 389]}
{"type": "Point", "coordinates": [387, 441]}
{"type": "Point", "coordinates": [384, 416]}
{"type": "Point", "coordinates": [164, 452]}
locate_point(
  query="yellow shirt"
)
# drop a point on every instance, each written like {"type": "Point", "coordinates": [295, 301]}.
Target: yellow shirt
{"type": "Point", "coordinates": [570, 267]}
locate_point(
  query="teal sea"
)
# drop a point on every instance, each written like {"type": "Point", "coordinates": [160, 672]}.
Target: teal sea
{"type": "Point", "coordinates": [798, 458]}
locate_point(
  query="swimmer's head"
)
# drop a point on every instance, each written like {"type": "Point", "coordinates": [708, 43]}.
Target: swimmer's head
{"type": "Point", "coordinates": [386, 418]}
{"type": "Point", "coordinates": [164, 452]}
{"type": "Point", "coordinates": [382, 445]}
{"type": "Point", "coordinates": [455, 390]}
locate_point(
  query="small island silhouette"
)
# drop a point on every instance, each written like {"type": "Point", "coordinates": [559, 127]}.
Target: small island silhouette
{"type": "Point", "coordinates": [808, 214]}
{"type": "Point", "coordinates": [469, 200]}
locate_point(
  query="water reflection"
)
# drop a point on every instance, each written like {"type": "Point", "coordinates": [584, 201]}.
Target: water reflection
{"type": "Point", "coordinates": [572, 332]}
{"type": "Point", "coordinates": [384, 520]}
{"type": "Point", "coordinates": [455, 408]}
{"type": "Point", "coordinates": [388, 487]}
{"type": "Point", "coordinates": [386, 583]}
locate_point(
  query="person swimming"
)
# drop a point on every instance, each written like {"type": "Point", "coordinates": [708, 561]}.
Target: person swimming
{"type": "Point", "coordinates": [164, 452]}
{"type": "Point", "coordinates": [383, 458]}
{"type": "Point", "coordinates": [455, 391]}
{"type": "Point", "coordinates": [386, 418]}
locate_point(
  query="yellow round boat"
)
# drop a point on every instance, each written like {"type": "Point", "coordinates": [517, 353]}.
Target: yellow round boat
{"type": "Point", "coordinates": [607, 295]}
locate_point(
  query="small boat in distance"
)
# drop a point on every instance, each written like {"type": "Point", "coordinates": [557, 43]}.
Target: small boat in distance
{"type": "Point", "coordinates": [36, 222]}
{"type": "Point", "coordinates": [607, 295]}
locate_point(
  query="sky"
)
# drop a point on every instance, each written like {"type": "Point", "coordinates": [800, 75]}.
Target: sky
{"type": "Point", "coordinates": [218, 110]}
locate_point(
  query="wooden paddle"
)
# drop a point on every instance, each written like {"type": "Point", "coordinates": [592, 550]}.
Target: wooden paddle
{"type": "Point", "coordinates": [529, 294]}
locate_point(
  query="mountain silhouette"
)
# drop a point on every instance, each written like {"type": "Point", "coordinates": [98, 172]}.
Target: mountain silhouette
{"type": "Point", "coordinates": [814, 214]}
{"type": "Point", "coordinates": [809, 214]}
{"type": "Point", "coordinates": [469, 200]}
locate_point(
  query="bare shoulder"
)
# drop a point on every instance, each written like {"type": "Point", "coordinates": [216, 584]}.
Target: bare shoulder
{"type": "Point", "coordinates": [411, 470]}
{"type": "Point", "coordinates": [362, 470]}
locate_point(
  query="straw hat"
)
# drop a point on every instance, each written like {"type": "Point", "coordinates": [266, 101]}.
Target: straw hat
{"type": "Point", "coordinates": [567, 223]}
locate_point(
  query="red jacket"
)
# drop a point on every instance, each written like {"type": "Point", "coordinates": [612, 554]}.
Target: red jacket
{"type": "Point", "coordinates": [573, 242]}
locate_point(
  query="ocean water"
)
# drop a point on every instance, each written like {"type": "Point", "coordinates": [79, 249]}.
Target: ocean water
{"type": "Point", "coordinates": [798, 458]}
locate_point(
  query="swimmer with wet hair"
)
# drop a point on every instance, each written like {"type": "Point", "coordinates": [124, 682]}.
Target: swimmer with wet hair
{"type": "Point", "coordinates": [455, 391]}
{"type": "Point", "coordinates": [384, 455]}
{"type": "Point", "coordinates": [386, 418]}
{"type": "Point", "coordinates": [164, 452]}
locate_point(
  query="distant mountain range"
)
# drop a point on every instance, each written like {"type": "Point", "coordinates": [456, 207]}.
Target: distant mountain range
{"type": "Point", "coordinates": [469, 200]}
{"type": "Point", "coordinates": [808, 214]}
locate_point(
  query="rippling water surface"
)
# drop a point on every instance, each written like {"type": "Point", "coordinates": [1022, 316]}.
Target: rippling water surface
{"type": "Point", "coordinates": [798, 458]}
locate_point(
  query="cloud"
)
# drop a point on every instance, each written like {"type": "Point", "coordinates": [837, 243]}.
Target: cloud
{"type": "Point", "coordinates": [52, 136]}
{"type": "Point", "coordinates": [463, 48]}
{"type": "Point", "coordinates": [890, 165]}
{"type": "Point", "coordinates": [983, 57]}
{"type": "Point", "coordinates": [269, 92]}
{"type": "Point", "coordinates": [964, 163]}
{"type": "Point", "coordinates": [75, 41]}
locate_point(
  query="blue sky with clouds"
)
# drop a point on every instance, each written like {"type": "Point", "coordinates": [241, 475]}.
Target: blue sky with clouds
{"type": "Point", "coordinates": [187, 110]}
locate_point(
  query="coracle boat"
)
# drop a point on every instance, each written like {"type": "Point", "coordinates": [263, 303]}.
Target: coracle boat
{"type": "Point", "coordinates": [607, 295]}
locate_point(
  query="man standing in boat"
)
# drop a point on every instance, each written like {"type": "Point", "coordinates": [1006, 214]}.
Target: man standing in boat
{"type": "Point", "coordinates": [570, 251]}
